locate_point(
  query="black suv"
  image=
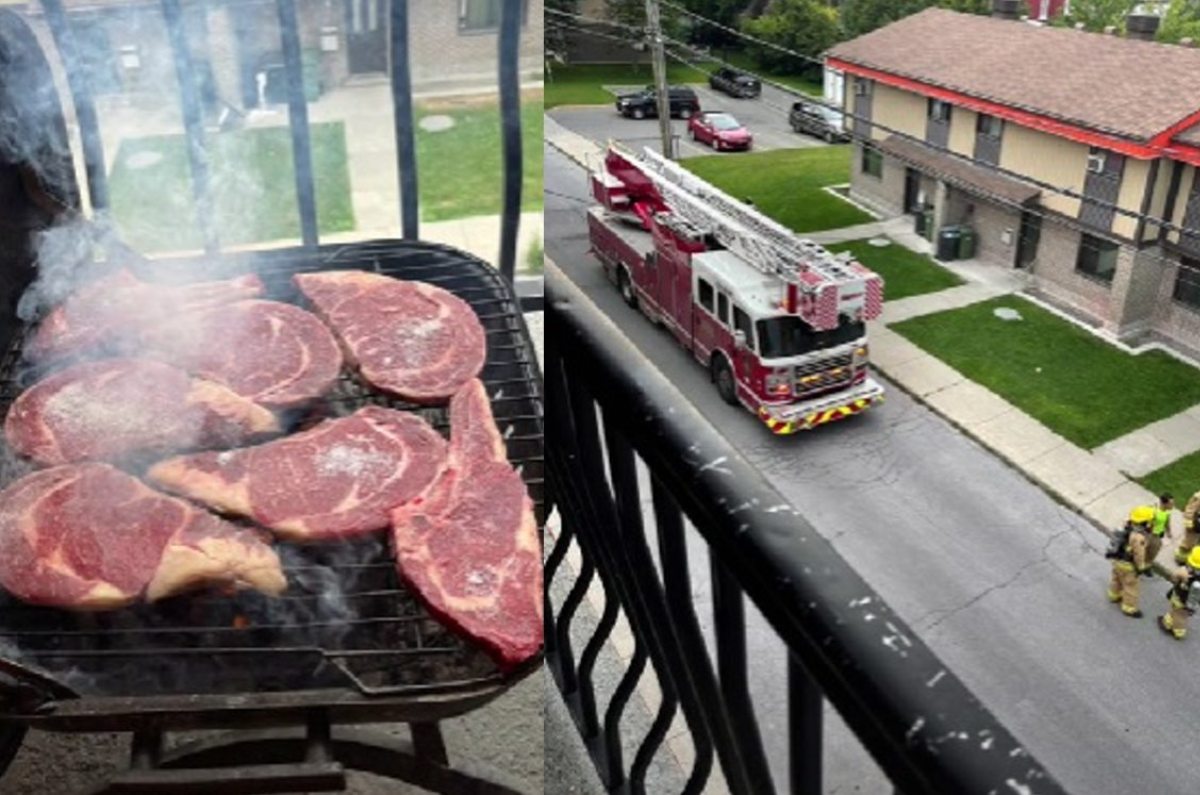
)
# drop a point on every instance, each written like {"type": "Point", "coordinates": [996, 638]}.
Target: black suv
{"type": "Point", "coordinates": [824, 122]}
{"type": "Point", "coordinates": [734, 83]}
{"type": "Point", "coordinates": [644, 104]}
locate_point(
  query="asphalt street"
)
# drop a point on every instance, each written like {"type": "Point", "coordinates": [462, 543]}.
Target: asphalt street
{"type": "Point", "coordinates": [766, 117]}
{"type": "Point", "coordinates": [1002, 582]}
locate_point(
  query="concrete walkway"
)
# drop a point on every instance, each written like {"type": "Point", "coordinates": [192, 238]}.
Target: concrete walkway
{"type": "Point", "coordinates": [1098, 484]}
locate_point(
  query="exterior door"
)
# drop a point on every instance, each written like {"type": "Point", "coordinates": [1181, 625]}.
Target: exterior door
{"type": "Point", "coordinates": [912, 189]}
{"type": "Point", "coordinates": [366, 35]}
{"type": "Point", "coordinates": [1027, 243]}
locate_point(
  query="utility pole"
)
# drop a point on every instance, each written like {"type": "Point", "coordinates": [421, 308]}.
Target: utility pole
{"type": "Point", "coordinates": [659, 62]}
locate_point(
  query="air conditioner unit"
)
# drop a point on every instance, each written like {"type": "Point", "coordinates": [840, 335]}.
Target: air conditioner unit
{"type": "Point", "coordinates": [1096, 162]}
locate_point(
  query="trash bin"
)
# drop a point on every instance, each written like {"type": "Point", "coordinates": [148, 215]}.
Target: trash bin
{"type": "Point", "coordinates": [966, 243]}
{"type": "Point", "coordinates": [921, 223]}
{"type": "Point", "coordinates": [947, 243]}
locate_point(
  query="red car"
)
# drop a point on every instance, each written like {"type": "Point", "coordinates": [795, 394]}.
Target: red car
{"type": "Point", "coordinates": [720, 131]}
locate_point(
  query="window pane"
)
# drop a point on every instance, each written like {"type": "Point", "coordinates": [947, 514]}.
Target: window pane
{"type": "Point", "coordinates": [723, 308]}
{"type": "Point", "coordinates": [741, 321]}
{"type": "Point", "coordinates": [1187, 283]}
{"type": "Point", "coordinates": [706, 295]}
{"type": "Point", "coordinates": [1097, 258]}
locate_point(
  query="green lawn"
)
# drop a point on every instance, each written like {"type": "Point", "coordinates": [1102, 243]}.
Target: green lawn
{"type": "Point", "coordinates": [583, 84]}
{"type": "Point", "coordinates": [254, 189]}
{"type": "Point", "coordinates": [904, 272]}
{"type": "Point", "coordinates": [1180, 479]}
{"type": "Point", "coordinates": [460, 169]}
{"type": "Point", "coordinates": [1077, 385]}
{"type": "Point", "coordinates": [743, 61]}
{"type": "Point", "coordinates": [535, 257]}
{"type": "Point", "coordinates": [787, 184]}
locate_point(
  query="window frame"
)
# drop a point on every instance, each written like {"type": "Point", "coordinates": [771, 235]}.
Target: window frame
{"type": "Point", "coordinates": [701, 287]}
{"type": "Point", "coordinates": [872, 155]}
{"type": "Point", "coordinates": [723, 303]}
{"type": "Point", "coordinates": [747, 328]}
{"type": "Point", "coordinates": [932, 110]}
{"type": "Point", "coordinates": [981, 121]}
{"type": "Point", "coordinates": [1190, 297]}
{"type": "Point", "coordinates": [1089, 245]}
{"type": "Point", "coordinates": [463, 15]}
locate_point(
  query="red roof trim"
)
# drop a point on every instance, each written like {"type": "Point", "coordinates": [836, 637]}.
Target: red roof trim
{"type": "Point", "coordinates": [1164, 137]}
{"type": "Point", "coordinates": [1184, 153]}
{"type": "Point", "coordinates": [1022, 117]}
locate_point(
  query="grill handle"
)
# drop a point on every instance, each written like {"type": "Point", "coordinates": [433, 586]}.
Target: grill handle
{"type": "Point", "coordinates": [257, 780]}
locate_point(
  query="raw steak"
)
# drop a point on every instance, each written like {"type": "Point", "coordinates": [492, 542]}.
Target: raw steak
{"type": "Point", "coordinates": [469, 544]}
{"type": "Point", "coordinates": [337, 480]}
{"type": "Point", "coordinates": [275, 354]}
{"type": "Point", "coordinates": [90, 537]}
{"type": "Point", "coordinates": [119, 304]}
{"type": "Point", "coordinates": [118, 409]}
{"type": "Point", "coordinates": [410, 338]}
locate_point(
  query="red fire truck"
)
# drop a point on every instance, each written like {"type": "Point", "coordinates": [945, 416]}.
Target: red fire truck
{"type": "Point", "coordinates": [779, 321]}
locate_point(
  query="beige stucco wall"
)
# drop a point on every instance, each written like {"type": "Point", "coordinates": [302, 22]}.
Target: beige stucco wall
{"type": "Point", "coordinates": [1133, 190]}
{"type": "Point", "coordinates": [962, 131]}
{"type": "Point", "coordinates": [1158, 200]}
{"type": "Point", "coordinates": [1047, 158]}
{"type": "Point", "coordinates": [900, 111]}
{"type": "Point", "coordinates": [1185, 190]}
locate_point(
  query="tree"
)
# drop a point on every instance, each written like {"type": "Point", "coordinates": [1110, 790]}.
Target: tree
{"type": "Point", "coordinates": [806, 26]}
{"type": "Point", "coordinates": [1096, 15]}
{"type": "Point", "coordinates": [1182, 20]}
{"type": "Point", "coordinates": [724, 12]}
{"type": "Point", "coordinates": [864, 16]}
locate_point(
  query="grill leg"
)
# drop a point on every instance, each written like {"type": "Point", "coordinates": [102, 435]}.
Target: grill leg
{"type": "Point", "coordinates": [429, 744]}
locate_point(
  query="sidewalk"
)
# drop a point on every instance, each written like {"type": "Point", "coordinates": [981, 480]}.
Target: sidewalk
{"type": "Point", "coordinates": [1097, 484]}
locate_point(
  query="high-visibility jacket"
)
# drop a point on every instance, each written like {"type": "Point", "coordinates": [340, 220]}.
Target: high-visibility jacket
{"type": "Point", "coordinates": [1162, 522]}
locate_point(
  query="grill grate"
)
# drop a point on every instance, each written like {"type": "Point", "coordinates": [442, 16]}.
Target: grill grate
{"type": "Point", "coordinates": [346, 619]}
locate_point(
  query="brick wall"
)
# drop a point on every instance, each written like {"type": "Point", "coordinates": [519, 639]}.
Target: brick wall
{"type": "Point", "coordinates": [1054, 274]}
{"type": "Point", "coordinates": [884, 195]}
{"type": "Point", "coordinates": [990, 222]}
{"type": "Point", "coordinates": [1177, 324]}
{"type": "Point", "coordinates": [439, 50]}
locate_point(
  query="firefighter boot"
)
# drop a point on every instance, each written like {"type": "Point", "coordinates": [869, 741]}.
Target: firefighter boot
{"type": "Point", "coordinates": [1125, 585]}
{"type": "Point", "coordinates": [1176, 620]}
{"type": "Point", "coordinates": [1167, 625]}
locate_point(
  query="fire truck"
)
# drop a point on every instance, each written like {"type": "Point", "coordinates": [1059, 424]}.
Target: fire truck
{"type": "Point", "coordinates": [779, 321]}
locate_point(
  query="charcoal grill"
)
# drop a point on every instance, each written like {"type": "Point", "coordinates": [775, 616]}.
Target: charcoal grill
{"type": "Point", "coordinates": [347, 644]}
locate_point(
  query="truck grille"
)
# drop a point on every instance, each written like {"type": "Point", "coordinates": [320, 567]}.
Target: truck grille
{"type": "Point", "coordinates": [824, 374]}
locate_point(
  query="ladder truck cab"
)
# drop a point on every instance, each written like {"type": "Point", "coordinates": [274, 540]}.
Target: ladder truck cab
{"type": "Point", "coordinates": [779, 321]}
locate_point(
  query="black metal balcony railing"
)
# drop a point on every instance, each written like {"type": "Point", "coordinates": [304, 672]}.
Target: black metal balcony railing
{"type": "Point", "coordinates": [403, 115]}
{"type": "Point", "coordinates": [606, 402]}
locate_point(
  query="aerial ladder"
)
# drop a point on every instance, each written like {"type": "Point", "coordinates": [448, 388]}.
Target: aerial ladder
{"type": "Point", "coordinates": [819, 286]}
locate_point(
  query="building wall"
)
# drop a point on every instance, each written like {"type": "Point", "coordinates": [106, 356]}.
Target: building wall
{"type": "Point", "coordinates": [902, 111]}
{"type": "Point", "coordinates": [962, 131]}
{"type": "Point", "coordinates": [1185, 190]}
{"type": "Point", "coordinates": [990, 221]}
{"type": "Point", "coordinates": [1172, 320]}
{"type": "Point", "coordinates": [884, 195]}
{"type": "Point", "coordinates": [439, 50]}
{"type": "Point", "coordinates": [1132, 192]}
{"type": "Point", "coordinates": [1047, 158]}
{"type": "Point", "coordinates": [1054, 274]}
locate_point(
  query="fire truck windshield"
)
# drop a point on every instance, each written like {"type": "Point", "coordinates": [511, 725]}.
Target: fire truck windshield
{"type": "Point", "coordinates": [791, 336]}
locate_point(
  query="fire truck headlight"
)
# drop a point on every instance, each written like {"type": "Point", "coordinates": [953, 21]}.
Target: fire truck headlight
{"type": "Point", "coordinates": [778, 383]}
{"type": "Point", "coordinates": [860, 354]}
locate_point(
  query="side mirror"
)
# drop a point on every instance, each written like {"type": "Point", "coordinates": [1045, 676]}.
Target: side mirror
{"type": "Point", "coordinates": [739, 339]}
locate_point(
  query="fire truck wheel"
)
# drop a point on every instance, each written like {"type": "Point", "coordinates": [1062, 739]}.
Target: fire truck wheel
{"type": "Point", "coordinates": [625, 285]}
{"type": "Point", "coordinates": [723, 377]}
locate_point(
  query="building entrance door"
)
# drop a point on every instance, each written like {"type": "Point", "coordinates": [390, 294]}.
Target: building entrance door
{"type": "Point", "coordinates": [366, 35]}
{"type": "Point", "coordinates": [912, 190]}
{"type": "Point", "coordinates": [1027, 241]}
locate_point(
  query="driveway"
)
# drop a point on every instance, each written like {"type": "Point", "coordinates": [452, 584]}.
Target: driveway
{"type": "Point", "coordinates": [765, 117]}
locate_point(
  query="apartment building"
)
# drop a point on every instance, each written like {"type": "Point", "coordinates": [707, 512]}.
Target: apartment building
{"type": "Point", "coordinates": [1063, 149]}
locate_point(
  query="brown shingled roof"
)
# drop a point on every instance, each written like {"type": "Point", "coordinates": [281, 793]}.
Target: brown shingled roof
{"type": "Point", "coordinates": [974, 179]}
{"type": "Point", "coordinates": [1123, 86]}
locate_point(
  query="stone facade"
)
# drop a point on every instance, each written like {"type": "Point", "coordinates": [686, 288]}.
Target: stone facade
{"type": "Point", "coordinates": [996, 226]}
{"type": "Point", "coordinates": [884, 195]}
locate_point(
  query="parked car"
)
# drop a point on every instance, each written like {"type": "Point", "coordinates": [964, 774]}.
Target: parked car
{"type": "Point", "coordinates": [720, 131]}
{"type": "Point", "coordinates": [644, 104]}
{"type": "Point", "coordinates": [735, 83]}
{"type": "Point", "coordinates": [819, 120]}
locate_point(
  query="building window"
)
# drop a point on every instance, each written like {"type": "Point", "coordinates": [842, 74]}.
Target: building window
{"type": "Point", "coordinates": [1187, 283]}
{"type": "Point", "coordinates": [706, 294]}
{"type": "Point", "coordinates": [989, 125]}
{"type": "Point", "coordinates": [938, 110]}
{"type": "Point", "coordinates": [872, 161]}
{"type": "Point", "coordinates": [484, 15]}
{"type": "Point", "coordinates": [1097, 258]}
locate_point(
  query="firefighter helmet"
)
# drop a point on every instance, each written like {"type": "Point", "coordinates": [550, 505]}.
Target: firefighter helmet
{"type": "Point", "coordinates": [1143, 514]}
{"type": "Point", "coordinates": [1194, 558]}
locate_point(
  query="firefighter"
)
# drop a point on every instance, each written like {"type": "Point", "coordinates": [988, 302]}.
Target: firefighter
{"type": "Point", "coordinates": [1175, 621]}
{"type": "Point", "coordinates": [1160, 528]}
{"type": "Point", "coordinates": [1129, 560]}
{"type": "Point", "coordinates": [1190, 530]}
